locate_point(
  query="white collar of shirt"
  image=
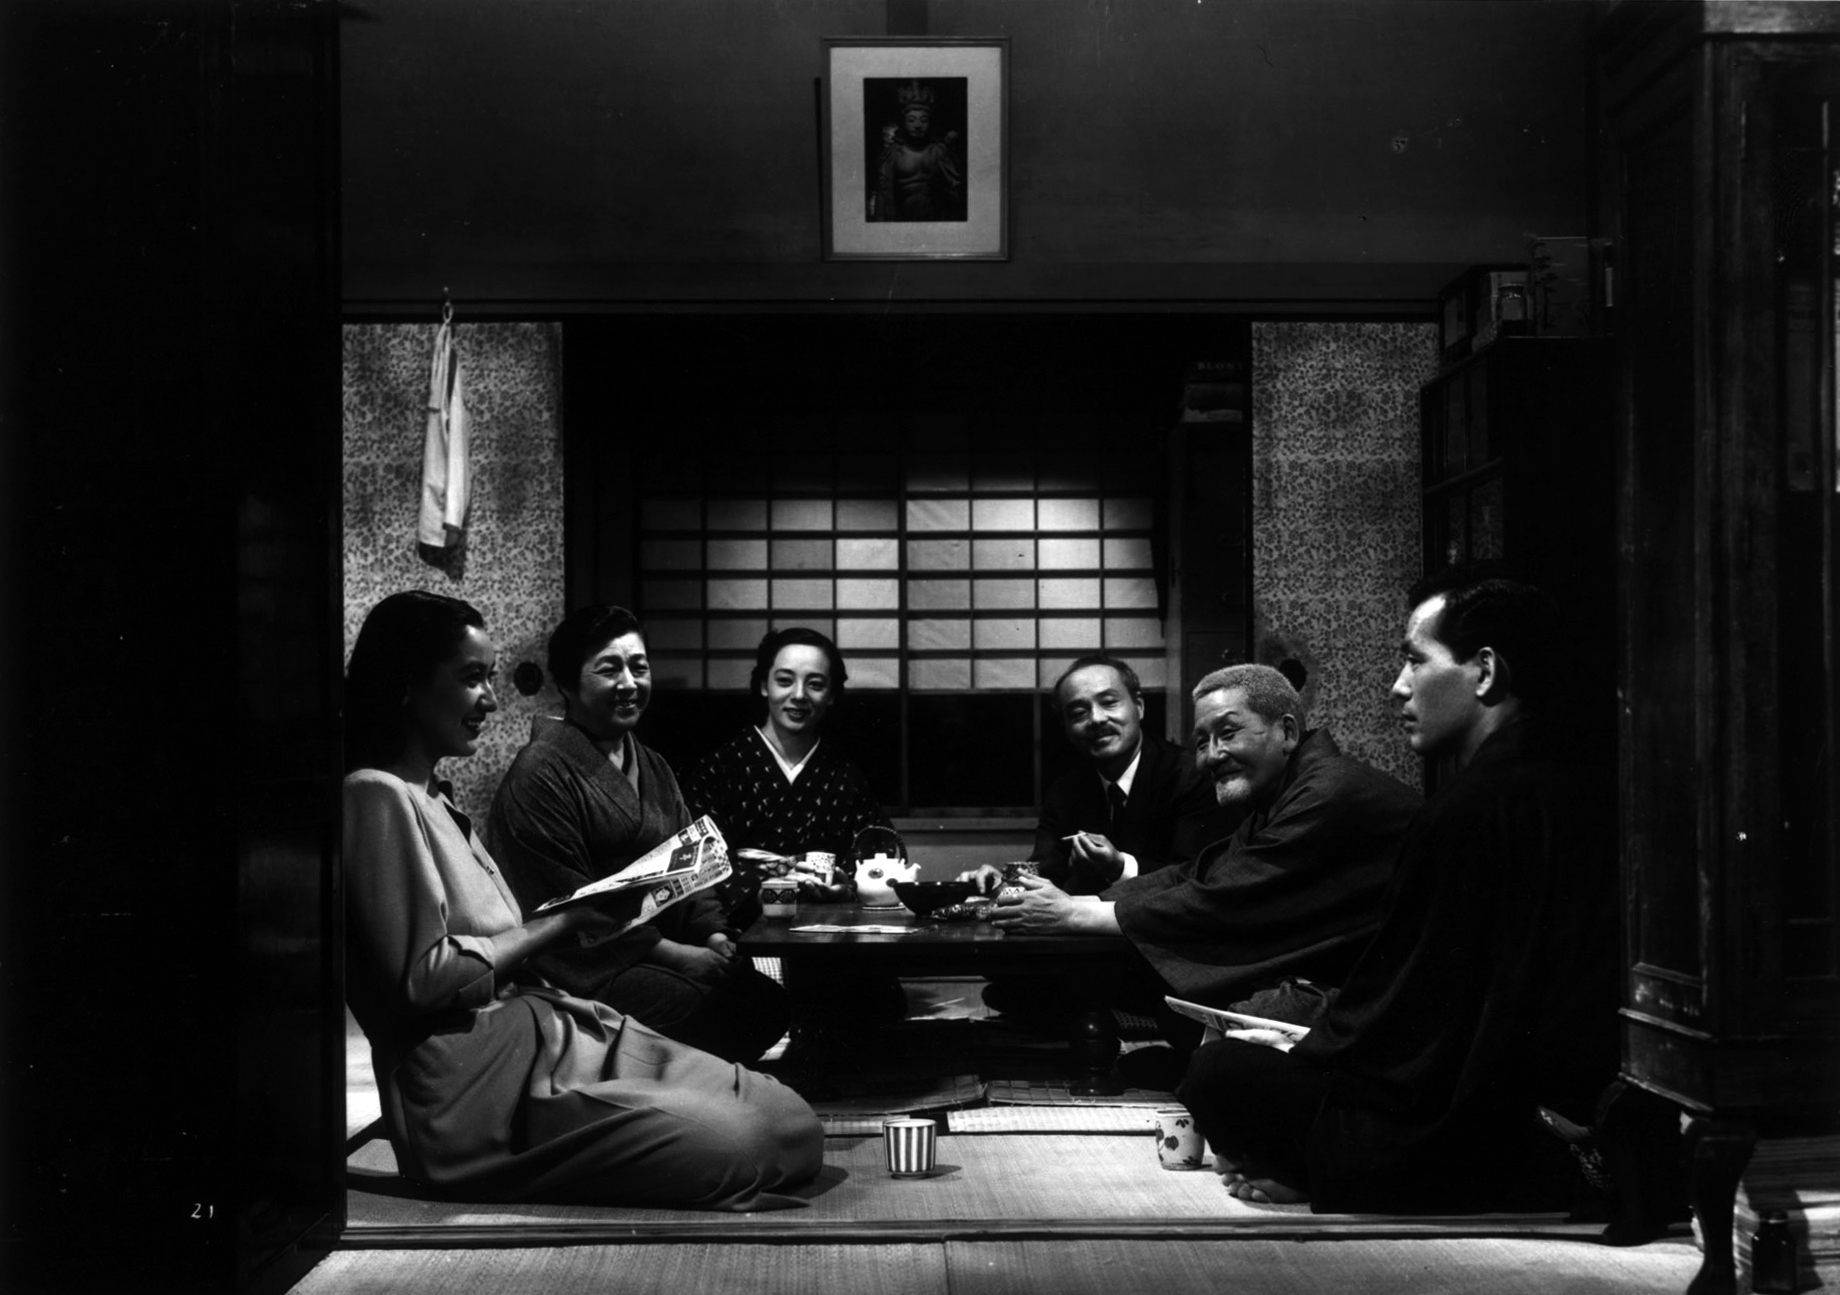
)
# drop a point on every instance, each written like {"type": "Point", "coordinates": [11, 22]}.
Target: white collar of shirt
{"type": "Point", "coordinates": [792, 769]}
{"type": "Point", "coordinates": [1129, 775]}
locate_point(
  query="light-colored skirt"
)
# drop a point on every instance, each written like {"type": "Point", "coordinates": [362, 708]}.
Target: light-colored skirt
{"type": "Point", "coordinates": [542, 1096]}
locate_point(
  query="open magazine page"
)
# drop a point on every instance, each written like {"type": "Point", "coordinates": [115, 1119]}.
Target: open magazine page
{"type": "Point", "coordinates": [692, 860]}
{"type": "Point", "coordinates": [1222, 1023]}
{"type": "Point", "coordinates": [708, 867]}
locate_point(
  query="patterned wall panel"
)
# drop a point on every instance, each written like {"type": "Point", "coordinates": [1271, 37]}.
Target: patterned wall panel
{"type": "Point", "coordinates": [512, 565]}
{"type": "Point", "coordinates": [1336, 516]}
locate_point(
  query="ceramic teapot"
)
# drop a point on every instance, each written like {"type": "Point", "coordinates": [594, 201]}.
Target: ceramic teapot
{"type": "Point", "coordinates": [881, 860]}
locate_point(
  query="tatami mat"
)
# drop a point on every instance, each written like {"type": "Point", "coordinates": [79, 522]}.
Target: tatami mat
{"type": "Point", "coordinates": [1251, 1266]}
{"type": "Point", "coordinates": [673, 1269]}
{"type": "Point", "coordinates": [986, 1185]}
{"type": "Point", "coordinates": [1421, 1266]}
{"type": "Point", "coordinates": [1003, 1176]}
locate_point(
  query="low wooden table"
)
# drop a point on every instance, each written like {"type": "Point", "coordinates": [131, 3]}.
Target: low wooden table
{"type": "Point", "coordinates": [925, 947]}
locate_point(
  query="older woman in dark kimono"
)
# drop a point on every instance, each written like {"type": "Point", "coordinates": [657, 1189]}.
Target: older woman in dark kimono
{"type": "Point", "coordinates": [494, 1084]}
{"type": "Point", "coordinates": [585, 798]}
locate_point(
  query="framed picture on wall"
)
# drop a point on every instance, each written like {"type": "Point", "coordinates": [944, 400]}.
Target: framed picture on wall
{"type": "Point", "coordinates": [916, 148]}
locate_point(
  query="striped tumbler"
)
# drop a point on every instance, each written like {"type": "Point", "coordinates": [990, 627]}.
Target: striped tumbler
{"type": "Point", "coordinates": [912, 1146]}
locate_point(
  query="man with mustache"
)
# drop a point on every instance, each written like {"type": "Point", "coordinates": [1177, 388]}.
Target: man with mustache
{"type": "Point", "coordinates": [1491, 988]}
{"type": "Point", "coordinates": [1292, 895]}
{"type": "Point", "coordinates": [1142, 805]}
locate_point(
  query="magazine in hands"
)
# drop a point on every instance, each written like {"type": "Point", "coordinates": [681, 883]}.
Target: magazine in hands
{"type": "Point", "coordinates": [692, 860]}
{"type": "Point", "coordinates": [1222, 1023]}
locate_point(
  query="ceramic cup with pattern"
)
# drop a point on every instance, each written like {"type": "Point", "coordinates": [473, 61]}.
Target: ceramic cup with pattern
{"type": "Point", "coordinates": [819, 866]}
{"type": "Point", "coordinates": [779, 897]}
{"type": "Point", "coordinates": [912, 1145]}
{"type": "Point", "coordinates": [1178, 1141]}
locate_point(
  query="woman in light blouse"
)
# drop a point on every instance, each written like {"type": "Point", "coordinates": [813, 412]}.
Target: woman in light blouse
{"type": "Point", "coordinates": [495, 1085]}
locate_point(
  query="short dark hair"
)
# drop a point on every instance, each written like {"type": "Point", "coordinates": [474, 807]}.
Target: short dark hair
{"type": "Point", "coordinates": [402, 640]}
{"type": "Point", "coordinates": [583, 632]}
{"type": "Point", "coordinates": [1485, 607]}
{"type": "Point", "coordinates": [1127, 675]}
{"type": "Point", "coordinates": [775, 640]}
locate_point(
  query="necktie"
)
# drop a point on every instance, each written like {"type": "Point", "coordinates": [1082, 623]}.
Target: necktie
{"type": "Point", "coordinates": [1115, 797]}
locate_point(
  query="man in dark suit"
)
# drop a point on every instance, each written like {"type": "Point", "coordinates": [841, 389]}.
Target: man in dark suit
{"type": "Point", "coordinates": [1141, 805]}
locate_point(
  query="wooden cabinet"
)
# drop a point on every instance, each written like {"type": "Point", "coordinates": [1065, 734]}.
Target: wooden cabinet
{"type": "Point", "coordinates": [1516, 449]}
{"type": "Point", "coordinates": [1720, 122]}
{"type": "Point", "coordinates": [1517, 466]}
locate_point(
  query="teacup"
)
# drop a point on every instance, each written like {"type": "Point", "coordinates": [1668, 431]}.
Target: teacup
{"type": "Point", "coordinates": [912, 1145]}
{"type": "Point", "coordinates": [819, 866]}
{"type": "Point", "coordinates": [779, 897]}
{"type": "Point", "coordinates": [1178, 1141]}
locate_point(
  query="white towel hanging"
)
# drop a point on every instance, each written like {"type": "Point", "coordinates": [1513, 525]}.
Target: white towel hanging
{"type": "Point", "coordinates": [447, 480]}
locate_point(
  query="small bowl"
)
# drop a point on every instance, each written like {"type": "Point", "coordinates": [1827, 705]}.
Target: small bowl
{"type": "Point", "coordinates": [922, 897]}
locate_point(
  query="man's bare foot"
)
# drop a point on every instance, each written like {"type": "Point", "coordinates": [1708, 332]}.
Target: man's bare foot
{"type": "Point", "coordinates": [1263, 1191]}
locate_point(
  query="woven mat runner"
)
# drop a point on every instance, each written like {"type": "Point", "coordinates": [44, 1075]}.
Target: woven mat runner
{"type": "Point", "coordinates": [1053, 1119]}
{"type": "Point", "coordinates": [854, 1115]}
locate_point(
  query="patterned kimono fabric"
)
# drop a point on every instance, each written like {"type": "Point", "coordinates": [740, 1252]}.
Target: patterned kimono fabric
{"type": "Point", "coordinates": [742, 787]}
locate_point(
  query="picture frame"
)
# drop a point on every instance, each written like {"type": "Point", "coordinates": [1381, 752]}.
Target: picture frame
{"type": "Point", "coordinates": [915, 134]}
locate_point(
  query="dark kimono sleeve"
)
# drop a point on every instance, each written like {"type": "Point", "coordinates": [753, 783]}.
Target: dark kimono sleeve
{"type": "Point", "coordinates": [1502, 926]}
{"type": "Point", "coordinates": [1491, 988]}
{"type": "Point", "coordinates": [1200, 821]}
{"type": "Point", "coordinates": [1145, 884]}
{"type": "Point", "coordinates": [1295, 896]}
{"type": "Point", "coordinates": [536, 831]}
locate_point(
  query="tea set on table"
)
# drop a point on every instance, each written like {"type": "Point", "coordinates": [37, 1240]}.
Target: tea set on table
{"type": "Point", "coordinates": [883, 878]}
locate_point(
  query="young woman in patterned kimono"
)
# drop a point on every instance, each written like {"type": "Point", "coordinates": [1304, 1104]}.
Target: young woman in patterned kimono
{"type": "Point", "coordinates": [585, 798]}
{"type": "Point", "coordinates": [777, 786]}
{"type": "Point", "coordinates": [494, 1084]}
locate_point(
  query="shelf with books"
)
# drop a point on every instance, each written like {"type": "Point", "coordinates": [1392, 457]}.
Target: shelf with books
{"type": "Point", "coordinates": [1518, 464]}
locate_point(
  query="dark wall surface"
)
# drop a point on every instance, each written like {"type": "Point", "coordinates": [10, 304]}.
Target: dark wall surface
{"type": "Point", "coordinates": [656, 150]}
{"type": "Point", "coordinates": [171, 1041]}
